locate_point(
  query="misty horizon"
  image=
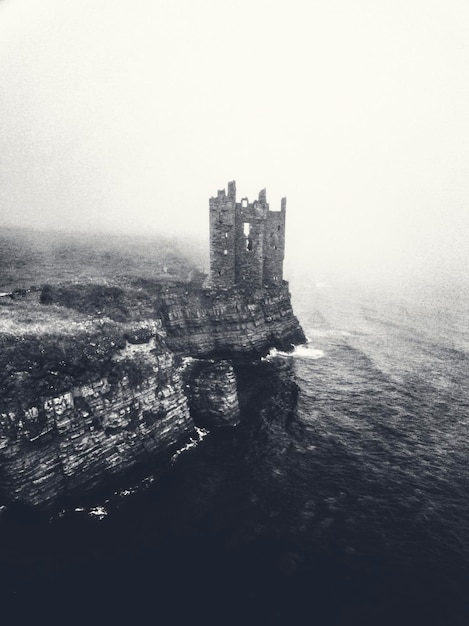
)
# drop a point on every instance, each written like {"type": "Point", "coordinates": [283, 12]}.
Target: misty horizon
{"type": "Point", "coordinates": [126, 120]}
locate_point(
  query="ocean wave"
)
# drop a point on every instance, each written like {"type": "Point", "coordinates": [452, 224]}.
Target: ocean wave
{"type": "Point", "coordinates": [193, 442]}
{"type": "Point", "coordinates": [304, 351]}
{"type": "Point", "coordinates": [99, 512]}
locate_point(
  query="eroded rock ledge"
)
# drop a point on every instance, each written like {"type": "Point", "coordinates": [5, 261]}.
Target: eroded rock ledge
{"type": "Point", "coordinates": [77, 408]}
{"type": "Point", "coordinates": [231, 323]}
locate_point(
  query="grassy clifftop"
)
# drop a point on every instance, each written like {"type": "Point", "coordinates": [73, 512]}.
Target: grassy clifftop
{"type": "Point", "coordinates": [74, 300]}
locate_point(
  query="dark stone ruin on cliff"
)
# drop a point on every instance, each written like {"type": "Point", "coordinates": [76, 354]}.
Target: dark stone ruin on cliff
{"type": "Point", "coordinates": [247, 241]}
{"type": "Point", "coordinates": [97, 379]}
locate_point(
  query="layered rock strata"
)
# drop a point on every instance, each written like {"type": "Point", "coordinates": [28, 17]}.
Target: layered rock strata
{"type": "Point", "coordinates": [75, 440]}
{"type": "Point", "coordinates": [213, 395]}
{"type": "Point", "coordinates": [76, 410]}
{"type": "Point", "coordinates": [232, 323]}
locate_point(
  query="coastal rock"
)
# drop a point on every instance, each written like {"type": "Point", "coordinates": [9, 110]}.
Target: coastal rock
{"type": "Point", "coordinates": [213, 395]}
{"type": "Point", "coordinates": [229, 323]}
{"type": "Point", "coordinates": [76, 440]}
{"type": "Point", "coordinates": [79, 409]}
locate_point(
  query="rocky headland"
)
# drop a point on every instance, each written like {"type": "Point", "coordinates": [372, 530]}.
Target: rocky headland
{"type": "Point", "coordinates": [98, 379]}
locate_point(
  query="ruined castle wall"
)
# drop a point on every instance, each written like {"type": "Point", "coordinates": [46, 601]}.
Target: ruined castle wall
{"type": "Point", "coordinates": [222, 238]}
{"type": "Point", "coordinates": [249, 244]}
{"type": "Point", "coordinates": [274, 246]}
{"type": "Point", "coordinates": [247, 241]}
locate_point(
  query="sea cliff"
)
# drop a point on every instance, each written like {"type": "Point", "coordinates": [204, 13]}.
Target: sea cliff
{"type": "Point", "coordinates": [85, 400]}
{"type": "Point", "coordinates": [229, 323]}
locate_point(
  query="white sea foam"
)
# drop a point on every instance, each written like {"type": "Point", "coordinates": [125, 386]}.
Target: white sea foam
{"type": "Point", "coordinates": [305, 351]}
{"type": "Point", "coordinates": [201, 433]}
{"type": "Point", "coordinates": [308, 352]}
{"type": "Point", "coordinates": [98, 511]}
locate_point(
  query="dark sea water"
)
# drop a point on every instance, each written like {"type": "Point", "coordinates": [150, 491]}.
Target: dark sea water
{"type": "Point", "coordinates": [341, 498]}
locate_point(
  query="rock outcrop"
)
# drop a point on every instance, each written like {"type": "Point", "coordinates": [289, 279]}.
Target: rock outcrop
{"type": "Point", "coordinates": [76, 409]}
{"type": "Point", "coordinates": [232, 323]}
{"type": "Point", "coordinates": [58, 444]}
{"type": "Point", "coordinates": [213, 395]}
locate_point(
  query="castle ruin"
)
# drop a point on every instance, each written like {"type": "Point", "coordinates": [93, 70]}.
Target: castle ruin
{"type": "Point", "coordinates": [247, 241]}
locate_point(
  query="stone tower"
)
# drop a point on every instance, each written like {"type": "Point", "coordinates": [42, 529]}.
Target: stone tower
{"type": "Point", "coordinates": [247, 241]}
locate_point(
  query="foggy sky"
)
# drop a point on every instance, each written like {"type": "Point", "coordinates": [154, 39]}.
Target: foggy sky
{"type": "Point", "coordinates": [127, 116]}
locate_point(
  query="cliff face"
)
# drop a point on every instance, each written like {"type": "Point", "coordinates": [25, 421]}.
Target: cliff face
{"type": "Point", "coordinates": [213, 394]}
{"type": "Point", "coordinates": [229, 323]}
{"type": "Point", "coordinates": [77, 410]}
{"type": "Point", "coordinates": [74, 440]}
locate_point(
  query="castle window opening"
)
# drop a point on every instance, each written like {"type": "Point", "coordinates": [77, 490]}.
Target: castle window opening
{"type": "Point", "coordinates": [244, 203]}
{"type": "Point", "coordinates": [278, 228]}
{"type": "Point", "coordinates": [249, 244]}
{"type": "Point", "coordinates": [225, 252]}
{"type": "Point", "coordinates": [246, 228]}
{"type": "Point", "coordinates": [226, 235]}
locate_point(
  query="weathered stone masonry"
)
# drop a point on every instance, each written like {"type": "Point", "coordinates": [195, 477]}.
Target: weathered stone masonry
{"type": "Point", "coordinates": [247, 241]}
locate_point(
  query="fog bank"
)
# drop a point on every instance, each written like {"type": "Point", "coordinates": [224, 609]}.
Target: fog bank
{"type": "Point", "coordinates": [126, 117]}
